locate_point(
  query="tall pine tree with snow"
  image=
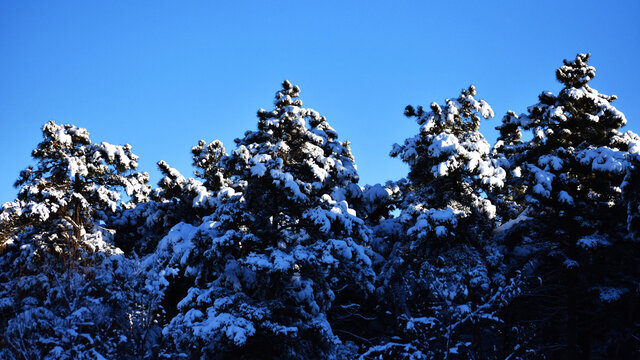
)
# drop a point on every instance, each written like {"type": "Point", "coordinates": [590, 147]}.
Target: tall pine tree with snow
{"type": "Point", "coordinates": [441, 278]}
{"type": "Point", "coordinates": [572, 229]}
{"type": "Point", "coordinates": [67, 292]}
{"type": "Point", "coordinates": [283, 254]}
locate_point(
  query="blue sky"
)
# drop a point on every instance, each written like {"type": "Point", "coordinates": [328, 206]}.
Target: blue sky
{"type": "Point", "coordinates": [161, 75]}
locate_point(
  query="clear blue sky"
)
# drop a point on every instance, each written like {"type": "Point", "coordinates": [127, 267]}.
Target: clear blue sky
{"type": "Point", "coordinates": [161, 75]}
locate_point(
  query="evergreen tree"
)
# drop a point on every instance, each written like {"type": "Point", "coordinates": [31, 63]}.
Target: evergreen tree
{"type": "Point", "coordinates": [66, 291]}
{"type": "Point", "coordinates": [442, 280]}
{"type": "Point", "coordinates": [177, 199]}
{"type": "Point", "coordinates": [282, 250]}
{"type": "Point", "coordinates": [75, 186]}
{"type": "Point", "coordinates": [572, 229]}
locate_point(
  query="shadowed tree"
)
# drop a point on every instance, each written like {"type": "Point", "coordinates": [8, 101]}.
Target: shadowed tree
{"type": "Point", "coordinates": [572, 229]}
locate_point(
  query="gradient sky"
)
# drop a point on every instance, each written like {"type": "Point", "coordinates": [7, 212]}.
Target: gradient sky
{"type": "Point", "coordinates": [161, 75]}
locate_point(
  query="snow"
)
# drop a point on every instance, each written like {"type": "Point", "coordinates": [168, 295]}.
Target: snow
{"type": "Point", "coordinates": [485, 110]}
{"type": "Point", "coordinates": [543, 180]}
{"type": "Point", "coordinates": [508, 225]}
{"type": "Point", "coordinates": [320, 173]}
{"type": "Point", "coordinates": [76, 166]}
{"type": "Point", "coordinates": [609, 294]}
{"type": "Point", "coordinates": [236, 329]}
{"type": "Point", "coordinates": [98, 242]}
{"type": "Point", "coordinates": [604, 159]}
{"type": "Point", "coordinates": [592, 241]}
{"type": "Point", "coordinates": [342, 249]}
{"type": "Point", "coordinates": [558, 113]}
{"type": "Point", "coordinates": [375, 193]}
{"type": "Point", "coordinates": [443, 144]}
{"type": "Point", "coordinates": [289, 183]}
{"type": "Point", "coordinates": [258, 170]}
{"type": "Point", "coordinates": [40, 210]}
{"type": "Point", "coordinates": [440, 170]}
{"type": "Point", "coordinates": [62, 136]}
{"type": "Point", "coordinates": [550, 162]}
{"type": "Point", "coordinates": [282, 261]}
{"type": "Point", "coordinates": [564, 197]}
{"type": "Point", "coordinates": [176, 246]}
{"type": "Point", "coordinates": [115, 152]}
{"type": "Point", "coordinates": [443, 215]}
{"type": "Point", "coordinates": [257, 261]}
{"type": "Point", "coordinates": [630, 139]}
{"type": "Point", "coordinates": [429, 321]}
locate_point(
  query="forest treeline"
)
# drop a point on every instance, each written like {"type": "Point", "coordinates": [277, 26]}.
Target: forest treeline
{"type": "Point", "coordinates": [527, 249]}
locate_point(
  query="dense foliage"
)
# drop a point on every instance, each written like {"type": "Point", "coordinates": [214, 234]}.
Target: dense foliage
{"type": "Point", "coordinates": [528, 249]}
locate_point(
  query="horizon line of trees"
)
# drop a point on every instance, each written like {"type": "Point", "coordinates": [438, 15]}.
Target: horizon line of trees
{"type": "Point", "coordinates": [527, 249]}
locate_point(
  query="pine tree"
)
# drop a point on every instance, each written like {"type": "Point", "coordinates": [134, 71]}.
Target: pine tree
{"type": "Point", "coordinates": [75, 185]}
{"type": "Point", "coordinates": [449, 160]}
{"type": "Point", "coordinates": [177, 199]}
{"type": "Point", "coordinates": [572, 227]}
{"type": "Point", "coordinates": [441, 279]}
{"type": "Point", "coordinates": [65, 289]}
{"type": "Point", "coordinates": [177, 203]}
{"type": "Point", "coordinates": [283, 253]}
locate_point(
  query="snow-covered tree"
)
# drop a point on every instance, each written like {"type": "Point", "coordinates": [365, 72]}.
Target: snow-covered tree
{"type": "Point", "coordinates": [572, 225]}
{"type": "Point", "coordinates": [177, 199]}
{"type": "Point", "coordinates": [449, 160]}
{"type": "Point", "coordinates": [283, 253]}
{"type": "Point", "coordinates": [441, 279]}
{"type": "Point", "coordinates": [65, 287]}
{"type": "Point", "coordinates": [75, 186]}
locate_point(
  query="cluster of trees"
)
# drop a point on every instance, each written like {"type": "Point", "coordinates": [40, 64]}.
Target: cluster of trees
{"type": "Point", "coordinates": [527, 249]}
